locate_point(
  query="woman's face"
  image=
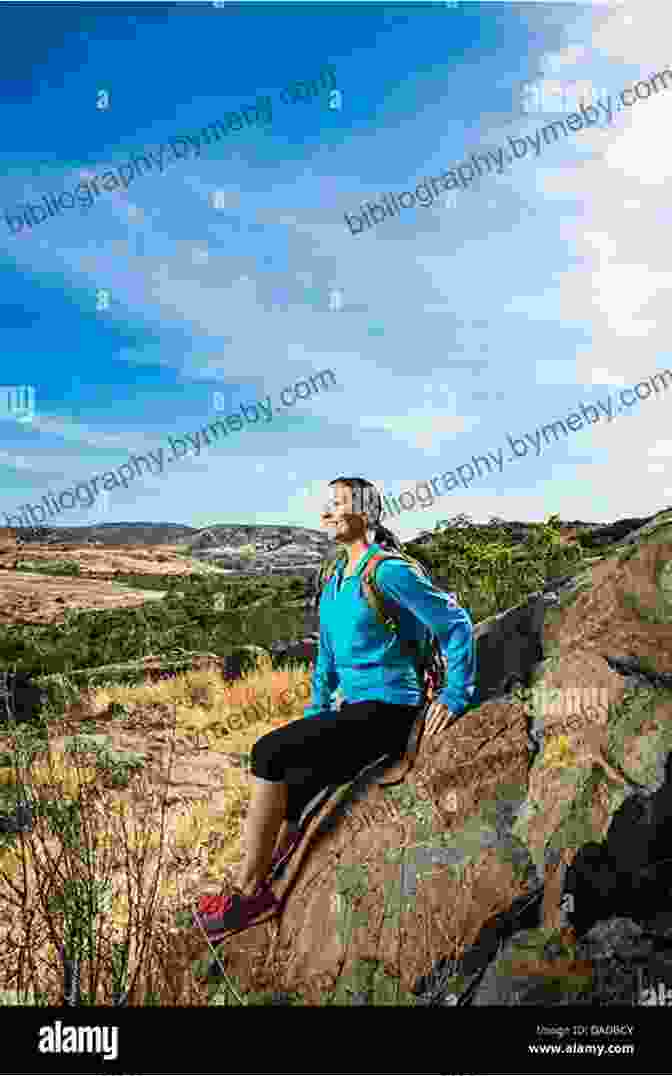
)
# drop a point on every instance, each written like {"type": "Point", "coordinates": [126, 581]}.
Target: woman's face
{"type": "Point", "coordinates": [337, 516]}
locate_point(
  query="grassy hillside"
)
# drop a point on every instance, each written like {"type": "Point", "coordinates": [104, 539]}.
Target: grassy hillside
{"type": "Point", "coordinates": [208, 613]}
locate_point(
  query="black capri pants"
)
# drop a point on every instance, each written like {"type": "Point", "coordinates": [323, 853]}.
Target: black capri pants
{"type": "Point", "coordinates": [314, 752]}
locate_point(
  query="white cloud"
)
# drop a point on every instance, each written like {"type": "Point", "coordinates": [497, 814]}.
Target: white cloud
{"type": "Point", "coordinates": [422, 429]}
{"type": "Point", "coordinates": [642, 31]}
{"type": "Point", "coordinates": [661, 448]}
{"type": "Point", "coordinates": [639, 152]}
{"type": "Point", "coordinates": [604, 377]}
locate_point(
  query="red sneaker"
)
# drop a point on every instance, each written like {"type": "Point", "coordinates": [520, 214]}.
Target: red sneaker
{"type": "Point", "coordinates": [232, 912]}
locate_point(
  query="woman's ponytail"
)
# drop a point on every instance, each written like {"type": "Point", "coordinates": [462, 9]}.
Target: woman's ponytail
{"type": "Point", "coordinates": [386, 539]}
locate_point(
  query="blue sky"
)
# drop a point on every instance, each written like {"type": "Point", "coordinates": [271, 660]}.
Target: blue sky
{"type": "Point", "coordinates": [231, 276]}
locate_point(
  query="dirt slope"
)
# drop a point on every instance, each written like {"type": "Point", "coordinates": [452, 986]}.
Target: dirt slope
{"type": "Point", "coordinates": [30, 597]}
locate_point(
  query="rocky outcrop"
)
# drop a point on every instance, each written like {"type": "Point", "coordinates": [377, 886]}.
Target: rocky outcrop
{"type": "Point", "coordinates": [21, 698]}
{"type": "Point", "coordinates": [509, 646]}
{"type": "Point", "coordinates": [484, 878]}
{"type": "Point", "coordinates": [299, 562]}
{"type": "Point", "coordinates": [277, 550]}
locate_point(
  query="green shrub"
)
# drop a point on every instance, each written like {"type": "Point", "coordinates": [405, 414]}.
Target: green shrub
{"type": "Point", "coordinates": [54, 567]}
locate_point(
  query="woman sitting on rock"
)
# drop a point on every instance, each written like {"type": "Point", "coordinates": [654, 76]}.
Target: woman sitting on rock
{"type": "Point", "coordinates": [380, 688]}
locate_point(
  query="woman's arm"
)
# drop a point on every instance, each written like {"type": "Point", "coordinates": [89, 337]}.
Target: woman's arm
{"type": "Point", "coordinates": [325, 677]}
{"type": "Point", "coordinates": [449, 622]}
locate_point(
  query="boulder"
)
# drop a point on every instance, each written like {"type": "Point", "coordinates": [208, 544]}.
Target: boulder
{"type": "Point", "coordinates": [536, 967]}
{"type": "Point", "coordinates": [628, 959]}
{"type": "Point", "coordinates": [394, 872]}
{"type": "Point", "coordinates": [19, 819]}
{"type": "Point", "coordinates": [509, 647]}
{"type": "Point", "coordinates": [21, 699]}
{"type": "Point", "coordinates": [455, 979]}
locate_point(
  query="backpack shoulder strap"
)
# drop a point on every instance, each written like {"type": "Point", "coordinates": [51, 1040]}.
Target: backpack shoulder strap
{"type": "Point", "coordinates": [386, 612]}
{"type": "Point", "coordinates": [378, 558]}
{"type": "Point", "coordinates": [326, 572]}
{"type": "Point", "coordinates": [373, 594]}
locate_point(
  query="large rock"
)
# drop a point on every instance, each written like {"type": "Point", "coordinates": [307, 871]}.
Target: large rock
{"type": "Point", "coordinates": [508, 646]}
{"type": "Point", "coordinates": [451, 979]}
{"type": "Point", "coordinates": [21, 699]}
{"type": "Point", "coordinates": [384, 884]}
{"type": "Point", "coordinates": [536, 967]}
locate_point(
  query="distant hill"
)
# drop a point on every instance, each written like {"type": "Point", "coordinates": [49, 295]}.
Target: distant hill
{"type": "Point", "coordinates": [279, 549]}
{"type": "Point", "coordinates": [217, 535]}
{"type": "Point", "coordinates": [109, 534]}
{"type": "Point", "coordinates": [276, 549]}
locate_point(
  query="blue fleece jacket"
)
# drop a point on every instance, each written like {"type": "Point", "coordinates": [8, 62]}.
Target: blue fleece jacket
{"type": "Point", "coordinates": [364, 659]}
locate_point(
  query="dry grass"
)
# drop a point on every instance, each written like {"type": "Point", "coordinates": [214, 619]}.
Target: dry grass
{"type": "Point", "coordinates": [109, 892]}
{"type": "Point", "coordinates": [209, 707]}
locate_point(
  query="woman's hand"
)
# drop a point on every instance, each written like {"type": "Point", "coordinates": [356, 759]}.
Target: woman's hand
{"type": "Point", "coordinates": [438, 718]}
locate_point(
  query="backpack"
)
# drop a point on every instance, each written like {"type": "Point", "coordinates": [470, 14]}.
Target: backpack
{"type": "Point", "coordinates": [427, 659]}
